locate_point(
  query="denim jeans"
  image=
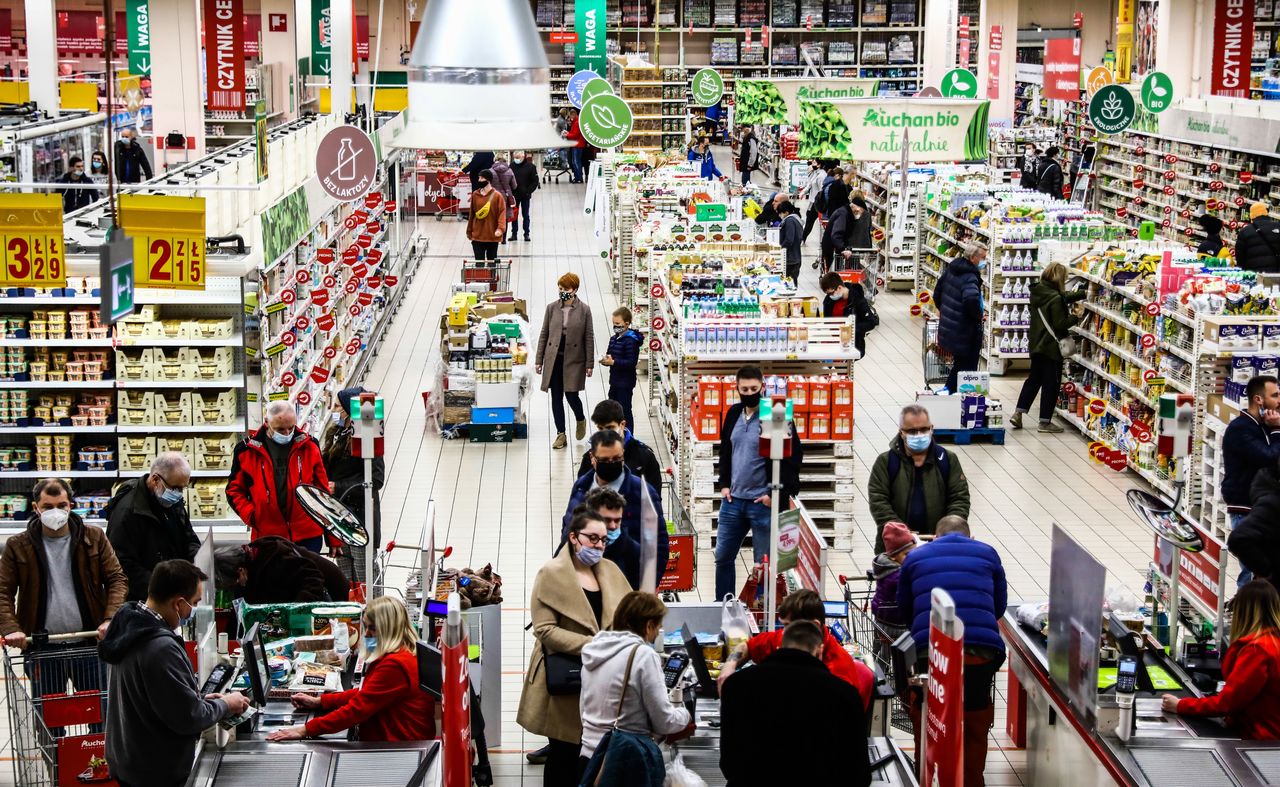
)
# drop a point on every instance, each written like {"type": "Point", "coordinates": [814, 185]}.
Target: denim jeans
{"type": "Point", "coordinates": [575, 164]}
{"type": "Point", "coordinates": [1245, 574]}
{"type": "Point", "coordinates": [523, 202]}
{"type": "Point", "coordinates": [622, 395]}
{"type": "Point", "coordinates": [737, 518]}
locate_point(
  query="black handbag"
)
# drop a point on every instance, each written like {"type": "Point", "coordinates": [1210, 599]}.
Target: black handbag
{"type": "Point", "coordinates": [564, 674]}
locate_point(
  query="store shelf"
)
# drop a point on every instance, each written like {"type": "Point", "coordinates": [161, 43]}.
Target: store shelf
{"type": "Point", "coordinates": [83, 343]}
{"type": "Point", "coordinates": [56, 386]}
{"type": "Point", "coordinates": [71, 430]}
{"type": "Point", "coordinates": [203, 428]}
{"type": "Point", "coordinates": [234, 341]}
{"type": "Point", "coordinates": [157, 384]}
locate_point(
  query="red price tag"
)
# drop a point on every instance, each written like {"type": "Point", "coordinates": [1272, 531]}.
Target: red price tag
{"type": "Point", "coordinates": [373, 257]}
{"type": "Point", "coordinates": [1214, 166]}
{"type": "Point", "coordinates": [1069, 388]}
{"type": "Point", "coordinates": [390, 207]}
{"type": "Point", "coordinates": [288, 339]}
{"type": "Point", "coordinates": [325, 255]}
{"type": "Point", "coordinates": [288, 379]}
{"type": "Point", "coordinates": [1138, 169]}
{"type": "Point", "coordinates": [304, 398]}
{"type": "Point", "coordinates": [916, 310]}
{"type": "Point", "coordinates": [658, 323]}
{"type": "Point", "coordinates": [354, 310]}
{"type": "Point", "coordinates": [658, 291]}
{"type": "Point", "coordinates": [391, 281]}
{"type": "Point", "coordinates": [1168, 190]}
{"type": "Point", "coordinates": [1235, 225]}
{"type": "Point", "coordinates": [364, 241]}
{"type": "Point", "coordinates": [1166, 223]}
{"type": "Point", "coordinates": [924, 297]}
{"type": "Point", "coordinates": [320, 297]}
{"type": "Point", "coordinates": [353, 348]}
{"type": "Point", "coordinates": [1121, 212]}
{"type": "Point", "coordinates": [1215, 185]}
{"type": "Point", "coordinates": [302, 277]}
{"type": "Point", "coordinates": [1119, 461]}
{"type": "Point", "coordinates": [1139, 183]}
{"type": "Point", "coordinates": [351, 222]}
{"type": "Point", "coordinates": [1152, 309]}
{"type": "Point", "coordinates": [1149, 375]}
{"type": "Point", "coordinates": [288, 296]}
{"type": "Point", "coordinates": [351, 254]}
{"type": "Point", "coordinates": [365, 298]}
{"type": "Point", "coordinates": [325, 322]}
{"type": "Point", "coordinates": [359, 270]}
{"type": "Point", "coordinates": [1239, 200]}
{"type": "Point", "coordinates": [372, 200]}
{"type": "Point", "coordinates": [1140, 150]}
{"type": "Point", "coordinates": [1148, 340]}
{"type": "Point", "coordinates": [319, 375]}
{"type": "Point", "coordinates": [1170, 174]}
{"type": "Point", "coordinates": [302, 323]}
{"type": "Point", "coordinates": [1097, 406]}
{"type": "Point", "coordinates": [655, 344]}
{"type": "Point", "coordinates": [330, 352]}
{"type": "Point", "coordinates": [1170, 158]}
{"type": "Point", "coordinates": [330, 282]}
{"type": "Point", "coordinates": [351, 286]}
{"type": "Point", "coordinates": [374, 282]}
{"type": "Point", "coordinates": [1246, 176]}
{"type": "Point", "coordinates": [1186, 214]}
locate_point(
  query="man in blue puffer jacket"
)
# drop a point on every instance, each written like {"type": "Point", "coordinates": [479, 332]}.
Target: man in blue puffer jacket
{"type": "Point", "coordinates": [971, 572]}
{"type": "Point", "coordinates": [959, 299]}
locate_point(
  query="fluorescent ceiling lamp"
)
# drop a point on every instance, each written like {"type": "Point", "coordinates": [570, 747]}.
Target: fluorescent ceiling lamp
{"type": "Point", "coordinates": [479, 80]}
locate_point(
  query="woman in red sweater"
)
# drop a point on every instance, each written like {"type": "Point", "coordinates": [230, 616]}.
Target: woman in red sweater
{"type": "Point", "coordinates": [389, 705]}
{"type": "Point", "coordinates": [1250, 696]}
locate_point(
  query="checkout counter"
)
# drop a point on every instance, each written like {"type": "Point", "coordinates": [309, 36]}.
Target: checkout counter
{"type": "Point", "coordinates": [701, 752]}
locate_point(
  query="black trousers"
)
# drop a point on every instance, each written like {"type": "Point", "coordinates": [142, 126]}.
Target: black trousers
{"type": "Point", "coordinates": [1045, 379]}
{"type": "Point", "coordinates": [810, 219]}
{"type": "Point", "coordinates": [484, 250]}
{"type": "Point", "coordinates": [559, 395]}
{"type": "Point", "coordinates": [967, 362]}
{"type": "Point", "coordinates": [564, 764]}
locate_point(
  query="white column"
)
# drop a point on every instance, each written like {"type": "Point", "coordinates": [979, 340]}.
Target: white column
{"type": "Point", "coordinates": [42, 54]}
{"type": "Point", "coordinates": [1004, 14]}
{"type": "Point", "coordinates": [281, 48]}
{"type": "Point", "coordinates": [177, 94]}
{"type": "Point", "coordinates": [340, 17]}
{"type": "Point", "coordinates": [1183, 46]}
{"type": "Point", "coordinates": [940, 18]}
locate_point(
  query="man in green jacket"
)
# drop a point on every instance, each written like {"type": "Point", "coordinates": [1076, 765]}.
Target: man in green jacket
{"type": "Point", "coordinates": [916, 481]}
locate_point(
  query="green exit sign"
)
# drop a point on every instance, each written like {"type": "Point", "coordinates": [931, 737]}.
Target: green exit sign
{"type": "Point", "coordinates": [115, 258]}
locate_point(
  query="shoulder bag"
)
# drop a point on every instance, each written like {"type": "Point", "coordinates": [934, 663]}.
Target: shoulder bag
{"type": "Point", "coordinates": [1066, 346]}
{"type": "Point", "coordinates": [595, 766]}
{"type": "Point", "coordinates": [564, 674]}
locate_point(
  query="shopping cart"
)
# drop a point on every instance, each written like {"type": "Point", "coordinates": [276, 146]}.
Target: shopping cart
{"type": "Point", "coordinates": [681, 574]}
{"type": "Point", "coordinates": [937, 361]}
{"type": "Point", "coordinates": [458, 187]}
{"type": "Point", "coordinates": [874, 637]}
{"type": "Point", "coordinates": [56, 730]}
{"type": "Point", "coordinates": [495, 273]}
{"type": "Point", "coordinates": [555, 160]}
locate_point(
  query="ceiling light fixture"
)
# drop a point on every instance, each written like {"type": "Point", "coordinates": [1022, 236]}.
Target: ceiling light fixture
{"type": "Point", "coordinates": [479, 81]}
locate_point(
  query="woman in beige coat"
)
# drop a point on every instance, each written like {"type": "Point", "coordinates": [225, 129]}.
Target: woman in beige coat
{"type": "Point", "coordinates": [566, 355]}
{"type": "Point", "coordinates": [574, 596]}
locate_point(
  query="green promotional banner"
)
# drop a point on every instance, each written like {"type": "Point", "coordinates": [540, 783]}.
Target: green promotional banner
{"type": "Point", "coordinates": [777, 101]}
{"type": "Point", "coordinates": [321, 34]}
{"type": "Point", "coordinates": [605, 121]}
{"type": "Point", "coordinates": [708, 87]}
{"type": "Point", "coordinates": [874, 129]}
{"type": "Point", "coordinates": [138, 20]}
{"type": "Point", "coordinates": [260, 138]}
{"type": "Point", "coordinates": [589, 22]}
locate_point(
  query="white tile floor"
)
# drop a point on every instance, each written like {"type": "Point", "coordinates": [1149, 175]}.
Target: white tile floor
{"type": "Point", "coordinates": [503, 503]}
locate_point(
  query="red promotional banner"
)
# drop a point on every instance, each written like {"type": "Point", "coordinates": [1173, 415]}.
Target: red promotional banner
{"type": "Point", "coordinates": [1199, 573]}
{"type": "Point", "coordinates": [362, 37]}
{"type": "Point", "coordinates": [963, 43]}
{"type": "Point", "coordinates": [224, 54]}
{"type": "Point", "coordinates": [6, 29]}
{"type": "Point", "coordinates": [1232, 47]}
{"type": "Point", "coordinates": [944, 711]}
{"type": "Point", "coordinates": [993, 75]}
{"type": "Point", "coordinates": [252, 35]}
{"type": "Point", "coordinates": [80, 32]}
{"type": "Point", "coordinates": [455, 727]}
{"type": "Point", "coordinates": [1062, 69]}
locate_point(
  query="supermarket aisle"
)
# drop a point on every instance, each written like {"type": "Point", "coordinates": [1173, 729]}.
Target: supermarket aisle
{"type": "Point", "coordinates": [503, 503]}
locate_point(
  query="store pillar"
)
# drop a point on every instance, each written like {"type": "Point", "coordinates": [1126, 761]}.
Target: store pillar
{"type": "Point", "coordinates": [939, 39]}
{"type": "Point", "coordinates": [340, 83]}
{"type": "Point", "coordinates": [997, 53]}
{"type": "Point", "coordinates": [42, 54]}
{"type": "Point", "coordinates": [177, 93]}
{"type": "Point", "coordinates": [280, 46]}
{"type": "Point", "coordinates": [1183, 45]}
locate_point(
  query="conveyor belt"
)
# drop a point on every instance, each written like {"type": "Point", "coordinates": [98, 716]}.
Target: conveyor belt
{"type": "Point", "coordinates": [374, 769]}
{"type": "Point", "coordinates": [281, 769]}
{"type": "Point", "coordinates": [1183, 767]}
{"type": "Point", "coordinates": [1267, 763]}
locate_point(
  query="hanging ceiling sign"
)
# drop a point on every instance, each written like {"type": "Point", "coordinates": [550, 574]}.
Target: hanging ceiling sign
{"type": "Point", "coordinates": [346, 163]}
{"type": "Point", "coordinates": [224, 55]}
{"type": "Point", "coordinates": [946, 129]}
{"type": "Point", "coordinates": [777, 101]}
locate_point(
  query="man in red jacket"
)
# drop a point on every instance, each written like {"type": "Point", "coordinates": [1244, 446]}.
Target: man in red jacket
{"type": "Point", "coordinates": [265, 473]}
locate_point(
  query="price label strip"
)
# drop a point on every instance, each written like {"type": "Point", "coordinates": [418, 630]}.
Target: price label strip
{"type": "Point", "coordinates": [169, 238]}
{"type": "Point", "coordinates": [31, 240]}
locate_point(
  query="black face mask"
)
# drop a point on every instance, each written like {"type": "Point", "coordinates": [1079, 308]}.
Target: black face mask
{"type": "Point", "coordinates": [750, 400]}
{"type": "Point", "coordinates": [609, 471]}
{"type": "Point", "coordinates": [483, 184]}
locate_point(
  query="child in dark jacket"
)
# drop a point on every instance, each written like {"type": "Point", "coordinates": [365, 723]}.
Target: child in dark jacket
{"type": "Point", "coordinates": [622, 357]}
{"type": "Point", "coordinates": [887, 569]}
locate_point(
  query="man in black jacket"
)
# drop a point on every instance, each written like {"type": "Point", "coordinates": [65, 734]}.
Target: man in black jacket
{"type": "Point", "coordinates": [826, 716]}
{"type": "Point", "coordinates": [1049, 176]}
{"type": "Point", "coordinates": [1250, 443]}
{"type": "Point", "coordinates": [480, 161]}
{"type": "Point", "coordinates": [637, 456]}
{"type": "Point", "coordinates": [131, 160]}
{"type": "Point", "coordinates": [155, 713]}
{"type": "Point", "coordinates": [76, 198]}
{"type": "Point", "coordinates": [835, 238]}
{"type": "Point", "coordinates": [148, 522]}
{"type": "Point", "coordinates": [1254, 535]}
{"type": "Point", "coordinates": [1258, 244]}
{"type": "Point", "coordinates": [526, 173]}
{"type": "Point", "coordinates": [744, 483]}
{"type": "Point", "coordinates": [274, 570]}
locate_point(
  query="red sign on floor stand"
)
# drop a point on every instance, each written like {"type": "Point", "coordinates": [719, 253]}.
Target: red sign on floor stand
{"type": "Point", "coordinates": [943, 760]}
{"type": "Point", "coordinates": [455, 716]}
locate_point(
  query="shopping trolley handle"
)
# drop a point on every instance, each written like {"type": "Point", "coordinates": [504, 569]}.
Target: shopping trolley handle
{"type": "Point", "coordinates": [42, 638]}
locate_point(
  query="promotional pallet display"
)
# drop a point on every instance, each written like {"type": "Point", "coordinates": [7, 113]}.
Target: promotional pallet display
{"type": "Point", "coordinates": [1144, 176]}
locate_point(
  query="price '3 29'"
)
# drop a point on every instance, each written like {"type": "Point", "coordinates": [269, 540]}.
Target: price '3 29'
{"type": "Point", "coordinates": [33, 259]}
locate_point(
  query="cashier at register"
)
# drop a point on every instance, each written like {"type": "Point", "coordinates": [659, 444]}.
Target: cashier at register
{"type": "Point", "coordinates": [1250, 696]}
{"type": "Point", "coordinates": [389, 705]}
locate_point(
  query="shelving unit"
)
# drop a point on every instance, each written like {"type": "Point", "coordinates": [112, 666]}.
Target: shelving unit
{"type": "Point", "coordinates": [657, 97]}
{"type": "Point", "coordinates": [226, 128]}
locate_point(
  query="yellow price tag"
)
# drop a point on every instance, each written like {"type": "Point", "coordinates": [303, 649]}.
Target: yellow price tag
{"type": "Point", "coordinates": [31, 241]}
{"type": "Point", "coordinates": [168, 240]}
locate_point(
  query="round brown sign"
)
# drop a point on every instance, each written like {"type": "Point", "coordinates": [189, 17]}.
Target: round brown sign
{"type": "Point", "coordinates": [346, 163]}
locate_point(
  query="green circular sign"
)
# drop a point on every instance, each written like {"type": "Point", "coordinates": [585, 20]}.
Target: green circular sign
{"type": "Point", "coordinates": [605, 121]}
{"type": "Point", "coordinates": [1157, 92]}
{"type": "Point", "coordinates": [708, 87]}
{"type": "Point", "coordinates": [596, 87]}
{"type": "Point", "coordinates": [1112, 109]}
{"type": "Point", "coordinates": [960, 83]}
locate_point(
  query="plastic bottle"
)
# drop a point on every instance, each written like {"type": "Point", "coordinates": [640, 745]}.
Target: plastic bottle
{"type": "Point", "coordinates": [1003, 319]}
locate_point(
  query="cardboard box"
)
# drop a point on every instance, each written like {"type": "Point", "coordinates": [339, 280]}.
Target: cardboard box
{"type": "Point", "coordinates": [819, 426]}
{"type": "Point", "coordinates": [493, 415]}
{"type": "Point", "coordinates": [842, 425]}
{"type": "Point", "coordinates": [842, 396]}
{"type": "Point", "coordinates": [497, 395]}
{"type": "Point", "coordinates": [711, 393]}
{"type": "Point", "coordinates": [944, 411]}
{"type": "Point", "coordinates": [801, 422]}
{"type": "Point", "coordinates": [491, 433]}
{"type": "Point", "coordinates": [819, 394]}
{"type": "Point", "coordinates": [705, 422]}
{"type": "Point", "coordinates": [798, 393]}
{"type": "Point", "coordinates": [974, 383]}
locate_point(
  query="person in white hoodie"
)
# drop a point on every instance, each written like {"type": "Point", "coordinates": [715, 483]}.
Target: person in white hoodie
{"type": "Point", "coordinates": [646, 707]}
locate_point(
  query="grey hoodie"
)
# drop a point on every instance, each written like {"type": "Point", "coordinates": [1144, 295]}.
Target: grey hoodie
{"type": "Point", "coordinates": [646, 709]}
{"type": "Point", "coordinates": [155, 714]}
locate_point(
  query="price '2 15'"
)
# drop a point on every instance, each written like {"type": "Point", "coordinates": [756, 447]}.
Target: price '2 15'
{"type": "Point", "coordinates": [171, 262]}
{"type": "Point", "coordinates": [33, 260]}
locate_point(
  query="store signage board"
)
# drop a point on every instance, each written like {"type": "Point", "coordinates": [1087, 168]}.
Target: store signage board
{"type": "Point", "coordinates": [801, 548]}
{"type": "Point", "coordinates": [1112, 109]}
{"type": "Point", "coordinates": [138, 20]}
{"type": "Point", "coordinates": [321, 34]}
{"type": "Point", "coordinates": [346, 163]}
{"type": "Point", "coordinates": [960, 83]}
{"type": "Point", "coordinates": [943, 760]}
{"type": "Point", "coordinates": [168, 240]}
{"type": "Point", "coordinates": [6, 29]}
{"type": "Point", "coordinates": [1127, 12]}
{"type": "Point", "coordinates": [1258, 135]}
{"type": "Point", "coordinates": [777, 101]}
{"type": "Point", "coordinates": [224, 55]}
{"type": "Point", "coordinates": [707, 87]}
{"type": "Point", "coordinates": [942, 129]}
{"type": "Point", "coordinates": [595, 87]}
{"type": "Point", "coordinates": [605, 122]}
{"type": "Point", "coordinates": [115, 258]}
{"type": "Point", "coordinates": [577, 83]}
{"type": "Point", "coordinates": [1200, 574]}
{"type": "Point", "coordinates": [1232, 48]}
{"type": "Point", "coordinates": [1076, 583]}
{"type": "Point", "coordinates": [1062, 69]}
{"type": "Point", "coordinates": [31, 241]}
{"type": "Point", "coordinates": [260, 139]}
{"type": "Point", "coordinates": [1157, 92]}
{"type": "Point", "coordinates": [589, 24]}
{"type": "Point", "coordinates": [1098, 78]}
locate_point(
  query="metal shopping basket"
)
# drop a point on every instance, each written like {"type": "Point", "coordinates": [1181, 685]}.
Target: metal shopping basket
{"type": "Point", "coordinates": [495, 273]}
{"type": "Point", "coordinates": [57, 696]}
{"type": "Point", "coordinates": [875, 638]}
{"type": "Point", "coordinates": [937, 362]}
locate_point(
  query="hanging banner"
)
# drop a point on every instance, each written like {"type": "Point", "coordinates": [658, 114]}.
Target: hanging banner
{"type": "Point", "coordinates": [138, 22]}
{"type": "Point", "coordinates": [1144, 48]}
{"type": "Point", "coordinates": [224, 54]}
{"type": "Point", "coordinates": [168, 240]}
{"type": "Point", "coordinates": [942, 129]}
{"type": "Point", "coordinates": [589, 23]}
{"type": "Point", "coordinates": [31, 241]}
{"type": "Point", "coordinates": [1125, 17]}
{"type": "Point", "coordinates": [79, 32]}
{"type": "Point", "coordinates": [777, 101]}
{"type": "Point", "coordinates": [1232, 48]}
{"type": "Point", "coordinates": [1062, 69]}
{"type": "Point", "coordinates": [362, 37]}
{"type": "Point", "coordinates": [995, 44]}
{"type": "Point", "coordinates": [253, 35]}
{"type": "Point", "coordinates": [6, 30]}
{"type": "Point", "coordinates": [943, 761]}
{"type": "Point", "coordinates": [260, 138]}
{"type": "Point", "coordinates": [321, 32]}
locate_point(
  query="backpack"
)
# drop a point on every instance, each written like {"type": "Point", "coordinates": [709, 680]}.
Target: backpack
{"type": "Point", "coordinates": [944, 464]}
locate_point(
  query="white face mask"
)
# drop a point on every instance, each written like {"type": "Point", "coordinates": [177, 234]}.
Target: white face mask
{"type": "Point", "coordinates": [55, 518]}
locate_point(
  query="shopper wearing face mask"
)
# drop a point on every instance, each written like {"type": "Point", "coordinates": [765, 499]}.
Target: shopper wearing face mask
{"type": "Point", "coordinates": [155, 713]}
{"type": "Point", "coordinates": [346, 472]}
{"type": "Point", "coordinates": [745, 503]}
{"type": "Point", "coordinates": [574, 597]}
{"type": "Point", "coordinates": [916, 482]}
{"type": "Point", "coordinates": [642, 519]}
{"type": "Point", "coordinates": [527, 182]}
{"type": "Point", "coordinates": [76, 198]}
{"type": "Point", "coordinates": [148, 522]}
{"type": "Point", "coordinates": [59, 576]}
{"type": "Point", "coordinates": [131, 160]}
{"type": "Point", "coordinates": [98, 167]}
{"type": "Point", "coordinates": [487, 218]}
{"type": "Point", "coordinates": [266, 470]}
{"type": "Point", "coordinates": [566, 355]}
